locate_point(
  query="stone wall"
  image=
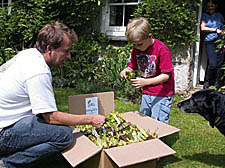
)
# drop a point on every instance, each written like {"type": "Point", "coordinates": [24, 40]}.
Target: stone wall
{"type": "Point", "coordinates": [182, 77]}
{"type": "Point", "coordinates": [181, 58]}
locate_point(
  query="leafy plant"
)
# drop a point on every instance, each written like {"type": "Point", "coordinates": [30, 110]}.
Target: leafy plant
{"type": "Point", "coordinates": [221, 43]}
{"type": "Point", "coordinates": [116, 132]}
{"type": "Point", "coordinates": [19, 29]}
{"type": "Point", "coordinates": [83, 64]}
{"type": "Point", "coordinates": [6, 53]}
{"type": "Point", "coordinates": [110, 66]}
{"type": "Point", "coordinates": [173, 23]}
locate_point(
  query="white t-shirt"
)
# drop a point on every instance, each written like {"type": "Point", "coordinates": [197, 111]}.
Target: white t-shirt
{"type": "Point", "coordinates": [25, 87]}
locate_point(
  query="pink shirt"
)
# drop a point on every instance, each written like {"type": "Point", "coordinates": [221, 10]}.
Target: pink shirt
{"type": "Point", "coordinates": [155, 60]}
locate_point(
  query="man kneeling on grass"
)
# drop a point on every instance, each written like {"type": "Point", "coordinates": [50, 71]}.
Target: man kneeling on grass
{"type": "Point", "coordinates": [31, 127]}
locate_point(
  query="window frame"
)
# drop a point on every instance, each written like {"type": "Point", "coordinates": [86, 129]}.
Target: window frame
{"type": "Point", "coordinates": [114, 32]}
{"type": "Point", "coordinates": [2, 4]}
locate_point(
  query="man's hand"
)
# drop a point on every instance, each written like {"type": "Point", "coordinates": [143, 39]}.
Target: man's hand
{"type": "Point", "coordinates": [97, 120]}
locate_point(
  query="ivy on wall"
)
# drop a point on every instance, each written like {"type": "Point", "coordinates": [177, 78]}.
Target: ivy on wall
{"type": "Point", "coordinates": [20, 28]}
{"type": "Point", "coordinates": [172, 22]}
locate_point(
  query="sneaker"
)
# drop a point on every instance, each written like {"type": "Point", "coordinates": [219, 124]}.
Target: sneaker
{"type": "Point", "coordinates": [1, 164]}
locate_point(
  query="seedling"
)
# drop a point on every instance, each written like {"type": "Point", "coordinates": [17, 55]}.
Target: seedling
{"type": "Point", "coordinates": [116, 132]}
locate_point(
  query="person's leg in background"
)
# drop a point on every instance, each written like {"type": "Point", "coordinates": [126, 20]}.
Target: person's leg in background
{"type": "Point", "coordinates": [212, 64]}
{"type": "Point", "coordinates": [31, 138]}
{"type": "Point", "coordinates": [220, 71]}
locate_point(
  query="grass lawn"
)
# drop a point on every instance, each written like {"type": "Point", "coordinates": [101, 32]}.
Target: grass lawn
{"type": "Point", "coordinates": [197, 145]}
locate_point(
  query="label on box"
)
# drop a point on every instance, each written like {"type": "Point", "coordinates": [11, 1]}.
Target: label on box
{"type": "Point", "coordinates": [91, 105]}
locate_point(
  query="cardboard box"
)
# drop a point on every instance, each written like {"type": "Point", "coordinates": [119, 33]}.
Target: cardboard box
{"type": "Point", "coordinates": [136, 155]}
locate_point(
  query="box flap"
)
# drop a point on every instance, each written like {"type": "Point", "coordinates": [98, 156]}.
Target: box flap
{"type": "Point", "coordinates": [148, 123]}
{"type": "Point", "coordinates": [139, 152]}
{"type": "Point", "coordinates": [105, 103]}
{"type": "Point", "coordinates": [81, 149]}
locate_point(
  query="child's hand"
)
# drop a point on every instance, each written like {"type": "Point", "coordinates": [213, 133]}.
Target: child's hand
{"type": "Point", "coordinates": [139, 82]}
{"type": "Point", "coordinates": [123, 73]}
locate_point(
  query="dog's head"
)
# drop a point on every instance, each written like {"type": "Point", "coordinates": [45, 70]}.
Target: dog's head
{"type": "Point", "coordinates": [207, 102]}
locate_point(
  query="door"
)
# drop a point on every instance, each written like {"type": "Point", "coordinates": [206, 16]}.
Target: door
{"type": "Point", "coordinates": [202, 55]}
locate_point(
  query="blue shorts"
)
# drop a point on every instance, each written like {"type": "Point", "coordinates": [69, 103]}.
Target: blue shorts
{"type": "Point", "coordinates": [157, 107]}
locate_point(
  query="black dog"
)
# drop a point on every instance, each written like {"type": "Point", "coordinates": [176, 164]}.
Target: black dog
{"type": "Point", "coordinates": [210, 104]}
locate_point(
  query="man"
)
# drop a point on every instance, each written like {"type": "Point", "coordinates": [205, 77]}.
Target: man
{"type": "Point", "coordinates": [31, 127]}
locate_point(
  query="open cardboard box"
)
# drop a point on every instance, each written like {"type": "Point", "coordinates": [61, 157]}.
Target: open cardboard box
{"type": "Point", "coordinates": [86, 154]}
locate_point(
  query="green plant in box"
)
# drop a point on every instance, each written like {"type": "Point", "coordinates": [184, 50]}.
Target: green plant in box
{"type": "Point", "coordinates": [115, 132]}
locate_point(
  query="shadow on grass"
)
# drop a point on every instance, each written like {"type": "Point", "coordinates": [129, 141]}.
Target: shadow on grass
{"type": "Point", "coordinates": [57, 160]}
{"type": "Point", "coordinates": [207, 158]}
{"type": "Point", "coordinates": [54, 161]}
{"type": "Point", "coordinates": [167, 161]}
{"type": "Point", "coordinates": [171, 139]}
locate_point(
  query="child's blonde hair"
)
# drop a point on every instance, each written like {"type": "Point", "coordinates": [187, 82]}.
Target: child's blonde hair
{"type": "Point", "coordinates": [138, 29]}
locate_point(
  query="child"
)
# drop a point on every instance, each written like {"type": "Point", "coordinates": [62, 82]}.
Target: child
{"type": "Point", "coordinates": [153, 59]}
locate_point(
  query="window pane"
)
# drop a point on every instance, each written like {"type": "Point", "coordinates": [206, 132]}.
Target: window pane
{"type": "Point", "coordinates": [3, 3]}
{"type": "Point", "coordinates": [115, 1]}
{"type": "Point", "coordinates": [126, 1]}
{"type": "Point", "coordinates": [129, 10]}
{"type": "Point", "coordinates": [116, 16]}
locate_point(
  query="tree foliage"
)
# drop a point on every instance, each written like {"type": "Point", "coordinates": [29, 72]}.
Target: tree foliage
{"type": "Point", "coordinates": [20, 28]}
{"type": "Point", "coordinates": [172, 22]}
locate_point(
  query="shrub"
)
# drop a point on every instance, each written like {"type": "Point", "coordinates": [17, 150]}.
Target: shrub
{"type": "Point", "coordinates": [19, 29]}
{"type": "Point", "coordinates": [110, 66]}
{"type": "Point", "coordinates": [173, 23]}
{"type": "Point", "coordinates": [82, 66]}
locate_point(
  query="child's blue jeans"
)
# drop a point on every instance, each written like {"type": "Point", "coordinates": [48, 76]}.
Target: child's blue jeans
{"type": "Point", "coordinates": [30, 139]}
{"type": "Point", "coordinates": [156, 107]}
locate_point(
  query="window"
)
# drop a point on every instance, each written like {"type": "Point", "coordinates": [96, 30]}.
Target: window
{"type": "Point", "coordinates": [5, 3]}
{"type": "Point", "coordinates": [115, 17]}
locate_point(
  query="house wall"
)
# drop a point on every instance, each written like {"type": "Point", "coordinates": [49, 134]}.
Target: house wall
{"type": "Point", "coordinates": [182, 63]}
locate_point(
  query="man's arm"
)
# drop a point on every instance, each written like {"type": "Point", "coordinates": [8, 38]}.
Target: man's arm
{"type": "Point", "coordinates": [43, 102]}
{"type": "Point", "coordinates": [62, 118]}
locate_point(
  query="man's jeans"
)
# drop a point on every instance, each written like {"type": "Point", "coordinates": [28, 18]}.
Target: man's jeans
{"type": "Point", "coordinates": [156, 107]}
{"type": "Point", "coordinates": [30, 139]}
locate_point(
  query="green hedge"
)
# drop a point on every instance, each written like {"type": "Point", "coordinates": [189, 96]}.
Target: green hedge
{"type": "Point", "coordinates": [172, 22]}
{"type": "Point", "coordinates": [19, 29]}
